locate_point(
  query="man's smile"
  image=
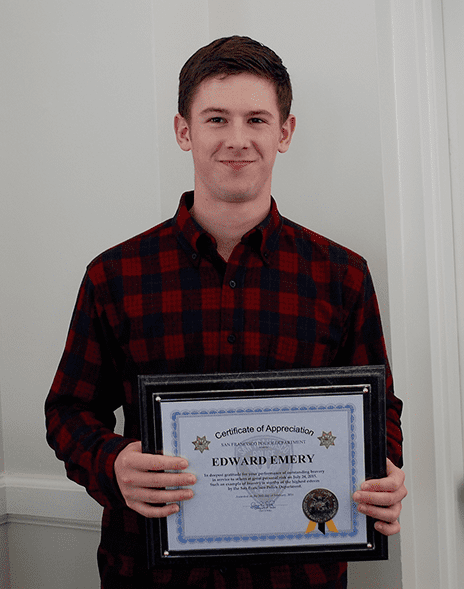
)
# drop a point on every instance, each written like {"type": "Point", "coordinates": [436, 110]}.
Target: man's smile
{"type": "Point", "coordinates": [236, 165]}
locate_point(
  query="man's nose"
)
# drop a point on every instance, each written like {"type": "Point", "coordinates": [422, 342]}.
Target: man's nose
{"type": "Point", "coordinates": [238, 136]}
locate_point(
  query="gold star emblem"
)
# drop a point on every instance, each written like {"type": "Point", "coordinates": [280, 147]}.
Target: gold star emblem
{"type": "Point", "coordinates": [201, 444]}
{"type": "Point", "coordinates": [327, 439]}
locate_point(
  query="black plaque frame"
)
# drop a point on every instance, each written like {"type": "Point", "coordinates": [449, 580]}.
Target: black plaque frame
{"type": "Point", "coordinates": [316, 382]}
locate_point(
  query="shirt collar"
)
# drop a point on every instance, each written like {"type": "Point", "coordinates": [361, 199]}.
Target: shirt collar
{"type": "Point", "coordinates": [263, 238]}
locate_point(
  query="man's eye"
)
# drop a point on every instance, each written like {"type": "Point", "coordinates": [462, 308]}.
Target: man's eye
{"type": "Point", "coordinates": [216, 119]}
{"type": "Point", "coordinates": [256, 120]}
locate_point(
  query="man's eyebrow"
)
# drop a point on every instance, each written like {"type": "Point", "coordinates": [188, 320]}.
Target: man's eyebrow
{"type": "Point", "coordinates": [224, 111]}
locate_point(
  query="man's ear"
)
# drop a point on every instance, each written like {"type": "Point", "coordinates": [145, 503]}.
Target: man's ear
{"type": "Point", "coordinates": [182, 131]}
{"type": "Point", "coordinates": [288, 129]}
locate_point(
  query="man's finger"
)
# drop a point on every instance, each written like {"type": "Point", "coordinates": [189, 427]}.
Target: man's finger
{"type": "Point", "coordinates": [161, 462]}
{"type": "Point", "coordinates": [387, 529]}
{"type": "Point", "coordinates": [153, 511]}
{"type": "Point", "coordinates": [387, 514]}
{"type": "Point", "coordinates": [158, 496]}
{"type": "Point", "coordinates": [384, 499]}
{"type": "Point", "coordinates": [132, 457]}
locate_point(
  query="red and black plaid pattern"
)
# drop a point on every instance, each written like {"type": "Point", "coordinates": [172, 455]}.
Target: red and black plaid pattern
{"type": "Point", "coordinates": [164, 302]}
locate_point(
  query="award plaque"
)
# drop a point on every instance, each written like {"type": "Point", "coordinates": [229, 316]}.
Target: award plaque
{"type": "Point", "coordinates": [277, 456]}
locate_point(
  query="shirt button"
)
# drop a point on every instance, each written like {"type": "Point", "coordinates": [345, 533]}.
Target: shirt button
{"type": "Point", "coordinates": [194, 256]}
{"type": "Point", "coordinates": [231, 338]}
{"type": "Point", "coordinates": [232, 284]}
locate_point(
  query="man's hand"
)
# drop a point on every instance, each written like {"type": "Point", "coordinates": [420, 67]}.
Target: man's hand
{"type": "Point", "coordinates": [141, 479]}
{"type": "Point", "coordinates": [381, 499]}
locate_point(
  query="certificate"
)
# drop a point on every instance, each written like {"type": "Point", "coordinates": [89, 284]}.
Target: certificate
{"type": "Point", "coordinates": [277, 456]}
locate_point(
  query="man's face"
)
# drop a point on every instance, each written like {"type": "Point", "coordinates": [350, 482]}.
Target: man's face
{"type": "Point", "coordinates": [234, 135]}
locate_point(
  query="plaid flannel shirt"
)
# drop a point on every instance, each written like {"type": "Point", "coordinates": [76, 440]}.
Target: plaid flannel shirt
{"type": "Point", "coordinates": [165, 302]}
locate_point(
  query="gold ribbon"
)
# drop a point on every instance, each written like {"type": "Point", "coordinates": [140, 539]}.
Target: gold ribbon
{"type": "Point", "coordinates": [330, 525]}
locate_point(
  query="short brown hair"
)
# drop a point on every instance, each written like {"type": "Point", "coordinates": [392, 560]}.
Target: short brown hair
{"type": "Point", "coordinates": [231, 56]}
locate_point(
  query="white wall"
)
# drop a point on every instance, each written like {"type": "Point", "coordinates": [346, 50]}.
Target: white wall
{"type": "Point", "coordinates": [453, 19]}
{"type": "Point", "coordinates": [420, 56]}
{"type": "Point", "coordinates": [4, 555]}
{"type": "Point", "coordinates": [49, 557]}
{"type": "Point", "coordinates": [80, 173]}
{"type": "Point", "coordinates": [89, 158]}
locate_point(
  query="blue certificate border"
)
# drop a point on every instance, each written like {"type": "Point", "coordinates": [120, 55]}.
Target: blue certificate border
{"type": "Point", "coordinates": [175, 418]}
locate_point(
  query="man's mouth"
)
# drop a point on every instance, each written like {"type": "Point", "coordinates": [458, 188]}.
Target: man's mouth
{"type": "Point", "coordinates": [236, 165]}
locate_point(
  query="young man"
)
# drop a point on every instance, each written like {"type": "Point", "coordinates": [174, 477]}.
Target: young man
{"type": "Point", "coordinates": [226, 285]}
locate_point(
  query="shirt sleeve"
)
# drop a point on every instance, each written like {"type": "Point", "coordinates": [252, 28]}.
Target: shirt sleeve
{"type": "Point", "coordinates": [364, 344]}
{"type": "Point", "coordinates": [80, 406]}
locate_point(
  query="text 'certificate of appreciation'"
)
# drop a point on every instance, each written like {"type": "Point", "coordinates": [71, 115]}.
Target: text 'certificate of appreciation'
{"type": "Point", "coordinates": [268, 470]}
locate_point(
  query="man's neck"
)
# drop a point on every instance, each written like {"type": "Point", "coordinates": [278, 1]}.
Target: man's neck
{"type": "Point", "coordinates": [228, 222]}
